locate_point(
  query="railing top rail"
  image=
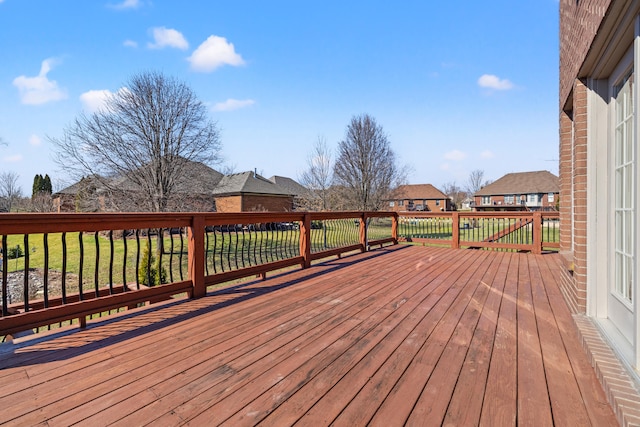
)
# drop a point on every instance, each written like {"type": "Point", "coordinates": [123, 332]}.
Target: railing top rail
{"type": "Point", "coordinates": [29, 223]}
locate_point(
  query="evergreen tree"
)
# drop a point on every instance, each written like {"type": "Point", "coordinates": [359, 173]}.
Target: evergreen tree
{"type": "Point", "coordinates": [46, 185]}
{"type": "Point", "coordinates": [37, 185]}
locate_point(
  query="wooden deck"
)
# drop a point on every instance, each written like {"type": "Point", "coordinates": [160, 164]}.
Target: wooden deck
{"type": "Point", "coordinates": [398, 336]}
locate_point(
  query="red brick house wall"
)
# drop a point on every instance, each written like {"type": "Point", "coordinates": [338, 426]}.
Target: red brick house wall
{"type": "Point", "coordinates": [431, 205]}
{"type": "Point", "coordinates": [254, 203]}
{"type": "Point", "coordinates": [579, 23]}
{"type": "Point", "coordinates": [498, 201]}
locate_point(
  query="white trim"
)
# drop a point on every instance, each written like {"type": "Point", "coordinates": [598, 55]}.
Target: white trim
{"type": "Point", "coordinates": [597, 192]}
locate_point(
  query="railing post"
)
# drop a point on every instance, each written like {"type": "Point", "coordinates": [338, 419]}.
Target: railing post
{"type": "Point", "coordinates": [197, 256]}
{"type": "Point", "coordinates": [363, 232]}
{"type": "Point", "coordinates": [305, 240]}
{"type": "Point", "coordinates": [455, 232]}
{"type": "Point", "coordinates": [537, 232]}
{"type": "Point", "coordinates": [394, 228]}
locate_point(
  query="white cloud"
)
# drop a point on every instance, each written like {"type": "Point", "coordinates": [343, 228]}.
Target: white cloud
{"type": "Point", "coordinates": [12, 159]}
{"type": "Point", "coordinates": [490, 81]}
{"type": "Point", "coordinates": [39, 90]}
{"type": "Point", "coordinates": [35, 140]}
{"type": "Point", "coordinates": [130, 43]}
{"type": "Point", "coordinates": [167, 37]}
{"type": "Point", "coordinates": [233, 104]}
{"type": "Point", "coordinates": [126, 4]}
{"type": "Point", "coordinates": [213, 53]}
{"type": "Point", "coordinates": [487, 154]}
{"type": "Point", "coordinates": [455, 155]}
{"type": "Point", "coordinates": [93, 100]}
{"type": "Point", "coordinates": [445, 166]}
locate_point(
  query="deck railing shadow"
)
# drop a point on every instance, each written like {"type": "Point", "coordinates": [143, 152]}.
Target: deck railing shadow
{"type": "Point", "coordinates": [143, 321]}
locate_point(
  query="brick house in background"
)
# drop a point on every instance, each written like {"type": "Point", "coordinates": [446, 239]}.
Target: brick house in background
{"type": "Point", "coordinates": [249, 192]}
{"type": "Point", "coordinates": [192, 192]}
{"type": "Point", "coordinates": [199, 189]}
{"type": "Point", "coordinates": [419, 197]}
{"type": "Point", "coordinates": [599, 221]}
{"type": "Point", "coordinates": [521, 191]}
{"type": "Point", "coordinates": [299, 191]}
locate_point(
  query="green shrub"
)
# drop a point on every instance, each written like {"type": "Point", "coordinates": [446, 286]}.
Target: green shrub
{"type": "Point", "coordinates": [151, 268]}
{"type": "Point", "coordinates": [15, 252]}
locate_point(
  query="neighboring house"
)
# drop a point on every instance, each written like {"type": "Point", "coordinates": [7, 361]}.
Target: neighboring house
{"type": "Point", "coordinates": [520, 191]}
{"type": "Point", "coordinates": [86, 195]}
{"type": "Point", "coordinates": [299, 191]}
{"type": "Point", "coordinates": [600, 191]}
{"type": "Point", "coordinates": [419, 197]}
{"type": "Point", "coordinates": [192, 192]}
{"type": "Point", "coordinates": [248, 192]}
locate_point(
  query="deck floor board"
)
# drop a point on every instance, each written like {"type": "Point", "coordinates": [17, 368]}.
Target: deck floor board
{"type": "Point", "coordinates": [400, 335]}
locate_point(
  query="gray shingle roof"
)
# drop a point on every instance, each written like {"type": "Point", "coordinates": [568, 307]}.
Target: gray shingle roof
{"type": "Point", "coordinates": [289, 184]}
{"type": "Point", "coordinates": [418, 191]}
{"type": "Point", "coordinates": [523, 183]}
{"type": "Point", "coordinates": [248, 183]}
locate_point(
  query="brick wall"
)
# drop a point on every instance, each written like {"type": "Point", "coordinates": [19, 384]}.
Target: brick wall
{"type": "Point", "coordinates": [229, 204]}
{"type": "Point", "coordinates": [254, 203]}
{"type": "Point", "coordinates": [579, 22]}
{"type": "Point", "coordinates": [267, 203]}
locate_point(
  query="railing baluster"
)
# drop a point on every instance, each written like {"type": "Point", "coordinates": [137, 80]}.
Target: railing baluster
{"type": "Point", "coordinates": [137, 272]}
{"type": "Point", "coordinates": [64, 268]}
{"type": "Point", "coordinates": [181, 252]}
{"type": "Point", "coordinates": [26, 272]}
{"type": "Point", "coordinates": [124, 261]}
{"type": "Point", "coordinates": [5, 269]}
{"type": "Point", "coordinates": [111, 254]}
{"type": "Point", "coordinates": [45, 243]}
{"type": "Point", "coordinates": [160, 251]}
{"type": "Point", "coordinates": [171, 256]}
{"type": "Point", "coordinates": [96, 278]}
{"type": "Point", "coordinates": [81, 267]}
{"type": "Point", "coordinates": [150, 280]}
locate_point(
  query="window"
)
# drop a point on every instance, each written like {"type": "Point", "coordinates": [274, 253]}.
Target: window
{"type": "Point", "coordinates": [392, 204]}
{"type": "Point", "coordinates": [550, 197]}
{"type": "Point", "coordinates": [509, 199]}
{"type": "Point", "coordinates": [532, 199]}
{"type": "Point", "coordinates": [437, 202]}
{"type": "Point", "coordinates": [400, 202]}
{"type": "Point", "coordinates": [486, 200]}
{"type": "Point", "coordinates": [624, 173]}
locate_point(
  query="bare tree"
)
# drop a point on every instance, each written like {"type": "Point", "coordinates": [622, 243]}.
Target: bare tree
{"type": "Point", "coordinates": [138, 145]}
{"type": "Point", "coordinates": [476, 181]}
{"type": "Point", "coordinates": [319, 174]}
{"type": "Point", "coordinates": [366, 165]}
{"type": "Point", "coordinates": [454, 192]}
{"type": "Point", "coordinates": [10, 191]}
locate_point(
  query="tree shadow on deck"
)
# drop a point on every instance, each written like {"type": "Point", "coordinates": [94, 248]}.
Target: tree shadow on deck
{"type": "Point", "coordinates": [72, 341]}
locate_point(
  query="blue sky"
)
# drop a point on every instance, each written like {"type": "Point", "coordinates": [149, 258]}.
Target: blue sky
{"type": "Point", "coordinates": [456, 86]}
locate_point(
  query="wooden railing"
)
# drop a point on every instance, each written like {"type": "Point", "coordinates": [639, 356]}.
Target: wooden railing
{"type": "Point", "coordinates": [522, 231]}
{"type": "Point", "coordinates": [80, 265]}
{"type": "Point", "coordinates": [60, 267]}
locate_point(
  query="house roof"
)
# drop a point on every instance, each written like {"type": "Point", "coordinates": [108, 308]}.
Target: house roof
{"type": "Point", "coordinates": [248, 182]}
{"type": "Point", "coordinates": [418, 191]}
{"type": "Point", "coordinates": [522, 183]}
{"type": "Point", "coordinates": [90, 181]}
{"type": "Point", "coordinates": [289, 184]}
{"type": "Point", "coordinates": [195, 178]}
